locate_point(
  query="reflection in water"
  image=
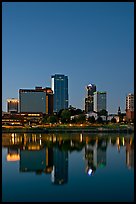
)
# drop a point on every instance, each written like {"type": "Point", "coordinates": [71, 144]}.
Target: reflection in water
{"type": "Point", "coordinates": [130, 154]}
{"type": "Point", "coordinates": [13, 154]}
{"type": "Point", "coordinates": [60, 166]}
{"type": "Point", "coordinates": [95, 155]}
{"type": "Point", "coordinates": [33, 160]}
{"type": "Point", "coordinates": [48, 153]}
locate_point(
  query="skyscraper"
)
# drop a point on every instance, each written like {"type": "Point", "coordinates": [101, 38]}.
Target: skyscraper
{"type": "Point", "coordinates": [59, 85]}
{"type": "Point", "coordinates": [91, 88]}
{"type": "Point", "coordinates": [99, 101]}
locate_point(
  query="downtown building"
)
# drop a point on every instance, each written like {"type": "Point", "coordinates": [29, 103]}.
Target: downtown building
{"type": "Point", "coordinates": [59, 85]}
{"type": "Point", "coordinates": [38, 100]}
{"type": "Point", "coordinates": [12, 105]}
{"type": "Point", "coordinates": [130, 107]}
{"type": "Point", "coordinates": [89, 102]}
{"type": "Point", "coordinates": [99, 101]}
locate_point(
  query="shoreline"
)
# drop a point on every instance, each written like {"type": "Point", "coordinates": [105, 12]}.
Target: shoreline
{"type": "Point", "coordinates": [69, 129]}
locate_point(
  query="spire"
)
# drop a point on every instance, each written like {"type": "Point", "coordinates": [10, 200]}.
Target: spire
{"type": "Point", "coordinates": [119, 110]}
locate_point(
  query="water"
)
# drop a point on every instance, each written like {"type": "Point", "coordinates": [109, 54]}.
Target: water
{"type": "Point", "coordinates": [67, 167]}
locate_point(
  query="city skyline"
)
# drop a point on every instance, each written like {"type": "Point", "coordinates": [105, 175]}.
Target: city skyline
{"type": "Point", "coordinates": [88, 42]}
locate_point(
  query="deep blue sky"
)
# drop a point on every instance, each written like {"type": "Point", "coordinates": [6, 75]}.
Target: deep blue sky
{"type": "Point", "coordinates": [89, 42]}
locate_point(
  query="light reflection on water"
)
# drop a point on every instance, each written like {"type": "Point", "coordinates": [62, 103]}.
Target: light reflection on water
{"type": "Point", "coordinates": [67, 167]}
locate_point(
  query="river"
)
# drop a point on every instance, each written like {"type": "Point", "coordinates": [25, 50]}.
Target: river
{"type": "Point", "coordinates": [70, 167]}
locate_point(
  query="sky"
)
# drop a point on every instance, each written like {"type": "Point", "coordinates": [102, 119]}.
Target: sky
{"type": "Point", "coordinates": [90, 42]}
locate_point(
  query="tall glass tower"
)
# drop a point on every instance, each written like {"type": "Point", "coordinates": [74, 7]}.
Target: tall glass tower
{"type": "Point", "coordinates": [59, 85]}
{"type": "Point", "coordinates": [99, 101]}
{"type": "Point", "coordinates": [91, 88]}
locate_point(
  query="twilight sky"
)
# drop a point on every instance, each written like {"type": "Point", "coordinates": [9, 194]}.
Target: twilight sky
{"type": "Point", "coordinates": [89, 42]}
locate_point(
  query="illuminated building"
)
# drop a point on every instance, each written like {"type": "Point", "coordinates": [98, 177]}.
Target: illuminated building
{"type": "Point", "coordinates": [12, 105]}
{"type": "Point", "coordinates": [49, 100]}
{"type": "Point", "coordinates": [91, 88]}
{"type": "Point", "coordinates": [59, 85]}
{"type": "Point", "coordinates": [60, 167]}
{"type": "Point", "coordinates": [22, 118]}
{"type": "Point", "coordinates": [130, 107]}
{"type": "Point", "coordinates": [38, 100]}
{"type": "Point", "coordinates": [99, 101]}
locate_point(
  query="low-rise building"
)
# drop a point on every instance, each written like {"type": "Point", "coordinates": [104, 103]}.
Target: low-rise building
{"type": "Point", "coordinates": [111, 116]}
{"type": "Point", "coordinates": [12, 105]}
{"type": "Point", "coordinates": [38, 100]}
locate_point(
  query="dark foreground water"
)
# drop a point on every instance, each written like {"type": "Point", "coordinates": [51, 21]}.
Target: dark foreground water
{"type": "Point", "coordinates": [67, 167]}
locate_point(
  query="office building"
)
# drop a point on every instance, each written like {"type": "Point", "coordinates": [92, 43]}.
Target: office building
{"type": "Point", "coordinates": [59, 85]}
{"type": "Point", "coordinates": [99, 101]}
{"type": "Point", "coordinates": [12, 105]}
{"type": "Point", "coordinates": [91, 88]}
{"type": "Point", "coordinates": [130, 107]}
{"type": "Point", "coordinates": [38, 100]}
{"type": "Point", "coordinates": [49, 100]}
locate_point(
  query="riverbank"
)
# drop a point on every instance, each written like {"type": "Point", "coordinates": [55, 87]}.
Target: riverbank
{"type": "Point", "coordinates": [62, 129]}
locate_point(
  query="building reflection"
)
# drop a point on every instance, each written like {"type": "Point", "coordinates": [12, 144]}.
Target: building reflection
{"type": "Point", "coordinates": [49, 160]}
{"type": "Point", "coordinates": [48, 153]}
{"type": "Point", "coordinates": [95, 155]}
{"type": "Point", "coordinates": [130, 154]}
{"type": "Point", "coordinates": [101, 156]}
{"type": "Point", "coordinates": [32, 160]}
{"type": "Point", "coordinates": [128, 142]}
{"type": "Point", "coordinates": [60, 166]}
{"type": "Point", "coordinates": [90, 158]}
{"type": "Point", "coordinates": [13, 154]}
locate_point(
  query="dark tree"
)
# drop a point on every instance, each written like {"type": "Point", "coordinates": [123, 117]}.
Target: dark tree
{"type": "Point", "coordinates": [113, 120]}
{"type": "Point", "coordinates": [81, 118]}
{"type": "Point", "coordinates": [52, 119]}
{"type": "Point", "coordinates": [65, 116]}
{"type": "Point", "coordinates": [103, 112]}
{"type": "Point", "coordinates": [91, 119]}
{"type": "Point", "coordinates": [78, 111]}
{"type": "Point", "coordinates": [59, 113]}
{"type": "Point", "coordinates": [44, 120]}
{"type": "Point", "coordinates": [99, 120]}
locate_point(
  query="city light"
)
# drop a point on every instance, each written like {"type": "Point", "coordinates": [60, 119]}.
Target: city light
{"type": "Point", "coordinates": [13, 157]}
{"type": "Point", "coordinates": [90, 172]}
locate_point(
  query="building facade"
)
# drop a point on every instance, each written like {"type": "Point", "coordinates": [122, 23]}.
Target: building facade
{"type": "Point", "coordinates": [91, 88]}
{"type": "Point", "coordinates": [49, 100]}
{"type": "Point", "coordinates": [59, 85]}
{"type": "Point", "coordinates": [130, 107]}
{"type": "Point", "coordinates": [38, 100]}
{"type": "Point", "coordinates": [12, 105]}
{"type": "Point", "coordinates": [99, 101]}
